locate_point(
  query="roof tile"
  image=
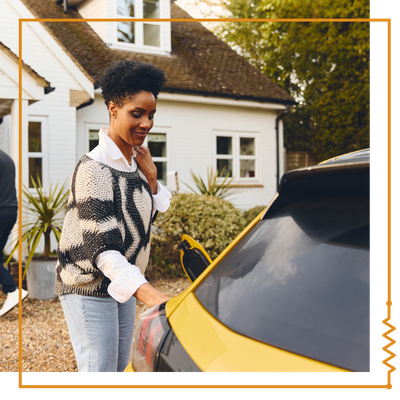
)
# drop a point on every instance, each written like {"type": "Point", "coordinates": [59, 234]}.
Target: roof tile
{"type": "Point", "coordinates": [200, 63]}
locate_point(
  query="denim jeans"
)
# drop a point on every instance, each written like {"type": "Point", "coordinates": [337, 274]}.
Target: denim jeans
{"type": "Point", "coordinates": [101, 331]}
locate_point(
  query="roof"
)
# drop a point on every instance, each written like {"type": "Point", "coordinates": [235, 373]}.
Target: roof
{"type": "Point", "coordinates": [200, 63]}
{"type": "Point", "coordinates": [39, 79]}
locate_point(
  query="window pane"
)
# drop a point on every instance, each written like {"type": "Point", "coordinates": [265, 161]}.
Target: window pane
{"type": "Point", "coordinates": [35, 169]}
{"type": "Point", "coordinates": [157, 144]}
{"type": "Point", "coordinates": [247, 169]}
{"type": "Point", "coordinates": [227, 164]}
{"type": "Point", "coordinates": [151, 9]}
{"type": "Point", "coordinates": [93, 139]}
{"type": "Point", "coordinates": [247, 147]}
{"type": "Point", "coordinates": [224, 145]}
{"type": "Point", "coordinates": [151, 35]}
{"type": "Point", "coordinates": [126, 32]}
{"type": "Point", "coordinates": [161, 172]}
{"type": "Point", "coordinates": [34, 137]}
{"type": "Point", "coordinates": [304, 274]}
{"type": "Point", "coordinates": [126, 8]}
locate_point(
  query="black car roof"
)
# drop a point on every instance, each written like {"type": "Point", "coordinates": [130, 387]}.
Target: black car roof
{"type": "Point", "coordinates": [354, 157]}
{"type": "Point", "coordinates": [346, 174]}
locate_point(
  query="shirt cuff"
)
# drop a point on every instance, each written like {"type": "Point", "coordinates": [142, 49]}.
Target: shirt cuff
{"type": "Point", "coordinates": [125, 278]}
{"type": "Point", "coordinates": [161, 198]}
{"type": "Point", "coordinates": [123, 291]}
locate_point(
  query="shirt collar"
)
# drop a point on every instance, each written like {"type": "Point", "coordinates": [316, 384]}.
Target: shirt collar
{"type": "Point", "coordinates": [109, 146]}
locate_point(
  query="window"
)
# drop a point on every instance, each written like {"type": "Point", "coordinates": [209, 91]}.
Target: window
{"type": "Point", "coordinates": [236, 155]}
{"type": "Point", "coordinates": [35, 152]}
{"type": "Point", "coordinates": [247, 157]}
{"type": "Point", "coordinates": [157, 144]}
{"type": "Point", "coordinates": [141, 34]}
{"type": "Point", "coordinates": [93, 138]}
{"type": "Point", "coordinates": [155, 141]}
{"type": "Point", "coordinates": [318, 292]}
{"type": "Point", "coordinates": [224, 155]}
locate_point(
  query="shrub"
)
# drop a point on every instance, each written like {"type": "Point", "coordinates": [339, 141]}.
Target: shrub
{"type": "Point", "coordinates": [213, 222]}
{"type": "Point", "coordinates": [250, 214]}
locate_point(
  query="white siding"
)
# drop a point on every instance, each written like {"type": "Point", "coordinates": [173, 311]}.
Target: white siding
{"type": "Point", "coordinates": [192, 143]}
{"type": "Point", "coordinates": [107, 30]}
{"type": "Point", "coordinates": [5, 133]}
{"type": "Point", "coordinates": [90, 117]}
{"type": "Point", "coordinates": [191, 126]}
{"type": "Point", "coordinates": [97, 9]}
{"type": "Point", "coordinates": [191, 140]}
{"type": "Point", "coordinates": [43, 54]}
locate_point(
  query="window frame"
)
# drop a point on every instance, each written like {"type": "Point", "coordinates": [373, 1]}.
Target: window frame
{"type": "Point", "coordinates": [43, 154]}
{"type": "Point", "coordinates": [236, 157]}
{"type": "Point", "coordinates": [166, 131]}
{"type": "Point", "coordinates": [139, 31]}
{"type": "Point", "coordinates": [91, 127]}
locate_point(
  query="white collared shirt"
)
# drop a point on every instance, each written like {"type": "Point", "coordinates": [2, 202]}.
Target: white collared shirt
{"type": "Point", "coordinates": [125, 277]}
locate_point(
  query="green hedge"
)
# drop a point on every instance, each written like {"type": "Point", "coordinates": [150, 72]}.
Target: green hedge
{"type": "Point", "coordinates": [249, 215]}
{"type": "Point", "coordinates": [213, 222]}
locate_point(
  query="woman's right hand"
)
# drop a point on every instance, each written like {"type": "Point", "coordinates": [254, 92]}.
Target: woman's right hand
{"type": "Point", "coordinates": [147, 166]}
{"type": "Point", "coordinates": [149, 295]}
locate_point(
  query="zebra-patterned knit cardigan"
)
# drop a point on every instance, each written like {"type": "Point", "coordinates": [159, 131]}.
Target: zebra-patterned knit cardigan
{"type": "Point", "coordinates": [107, 210]}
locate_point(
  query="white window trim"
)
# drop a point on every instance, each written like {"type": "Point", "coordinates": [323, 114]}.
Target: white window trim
{"type": "Point", "coordinates": [43, 154]}
{"type": "Point", "coordinates": [236, 157]}
{"type": "Point", "coordinates": [89, 127]}
{"type": "Point", "coordinates": [139, 46]}
{"type": "Point", "coordinates": [166, 131]}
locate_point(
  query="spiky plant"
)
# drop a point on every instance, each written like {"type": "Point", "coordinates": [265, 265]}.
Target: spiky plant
{"type": "Point", "coordinates": [43, 212]}
{"type": "Point", "coordinates": [213, 186]}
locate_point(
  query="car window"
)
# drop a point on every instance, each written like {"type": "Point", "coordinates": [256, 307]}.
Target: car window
{"type": "Point", "coordinates": [300, 281]}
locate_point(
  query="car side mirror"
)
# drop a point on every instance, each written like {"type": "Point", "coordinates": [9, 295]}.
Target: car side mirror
{"type": "Point", "coordinates": [194, 258]}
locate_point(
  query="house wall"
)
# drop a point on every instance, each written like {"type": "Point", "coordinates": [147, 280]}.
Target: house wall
{"type": "Point", "coordinates": [190, 129]}
{"type": "Point", "coordinates": [5, 133]}
{"type": "Point", "coordinates": [107, 30]}
{"type": "Point", "coordinates": [98, 9]}
{"type": "Point", "coordinates": [45, 56]}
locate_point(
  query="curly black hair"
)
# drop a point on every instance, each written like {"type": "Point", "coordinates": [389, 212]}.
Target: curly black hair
{"type": "Point", "coordinates": [127, 78]}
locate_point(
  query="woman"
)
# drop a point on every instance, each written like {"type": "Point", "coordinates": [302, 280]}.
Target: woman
{"type": "Point", "coordinates": [105, 241]}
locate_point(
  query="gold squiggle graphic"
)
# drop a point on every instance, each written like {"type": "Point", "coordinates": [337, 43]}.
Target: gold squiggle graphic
{"type": "Point", "coordinates": [390, 355]}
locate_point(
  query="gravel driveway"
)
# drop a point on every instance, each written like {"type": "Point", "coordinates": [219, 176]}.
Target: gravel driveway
{"type": "Point", "coordinates": [45, 343]}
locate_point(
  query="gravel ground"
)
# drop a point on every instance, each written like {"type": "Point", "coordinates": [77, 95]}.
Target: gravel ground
{"type": "Point", "coordinates": [46, 346]}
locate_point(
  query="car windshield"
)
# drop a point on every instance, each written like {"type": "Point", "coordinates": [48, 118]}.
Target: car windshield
{"type": "Point", "coordinates": [300, 281]}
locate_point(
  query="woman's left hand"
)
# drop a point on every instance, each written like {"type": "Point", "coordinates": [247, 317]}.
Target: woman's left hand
{"type": "Point", "coordinates": [146, 164]}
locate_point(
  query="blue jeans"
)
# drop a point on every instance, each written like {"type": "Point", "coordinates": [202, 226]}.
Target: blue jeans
{"type": "Point", "coordinates": [101, 331]}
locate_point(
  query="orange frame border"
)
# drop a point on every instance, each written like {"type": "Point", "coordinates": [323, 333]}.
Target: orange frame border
{"type": "Point", "coordinates": [388, 303]}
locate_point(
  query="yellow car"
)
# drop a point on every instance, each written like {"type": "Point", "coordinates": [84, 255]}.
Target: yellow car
{"type": "Point", "coordinates": [290, 293]}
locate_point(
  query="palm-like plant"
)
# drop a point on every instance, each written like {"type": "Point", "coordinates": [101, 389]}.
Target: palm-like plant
{"type": "Point", "coordinates": [43, 213]}
{"type": "Point", "coordinates": [213, 187]}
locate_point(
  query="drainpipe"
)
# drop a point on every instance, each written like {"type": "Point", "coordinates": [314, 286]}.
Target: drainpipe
{"type": "Point", "coordinates": [278, 118]}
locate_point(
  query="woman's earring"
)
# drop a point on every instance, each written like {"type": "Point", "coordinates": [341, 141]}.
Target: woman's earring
{"type": "Point", "coordinates": [115, 116]}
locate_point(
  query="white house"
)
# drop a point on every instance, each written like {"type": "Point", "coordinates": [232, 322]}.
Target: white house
{"type": "Point", "coordinates": [215, 109]}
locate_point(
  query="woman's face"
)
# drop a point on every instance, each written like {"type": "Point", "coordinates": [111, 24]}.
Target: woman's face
{"type": "Point", "coordinates": [130, 124]}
